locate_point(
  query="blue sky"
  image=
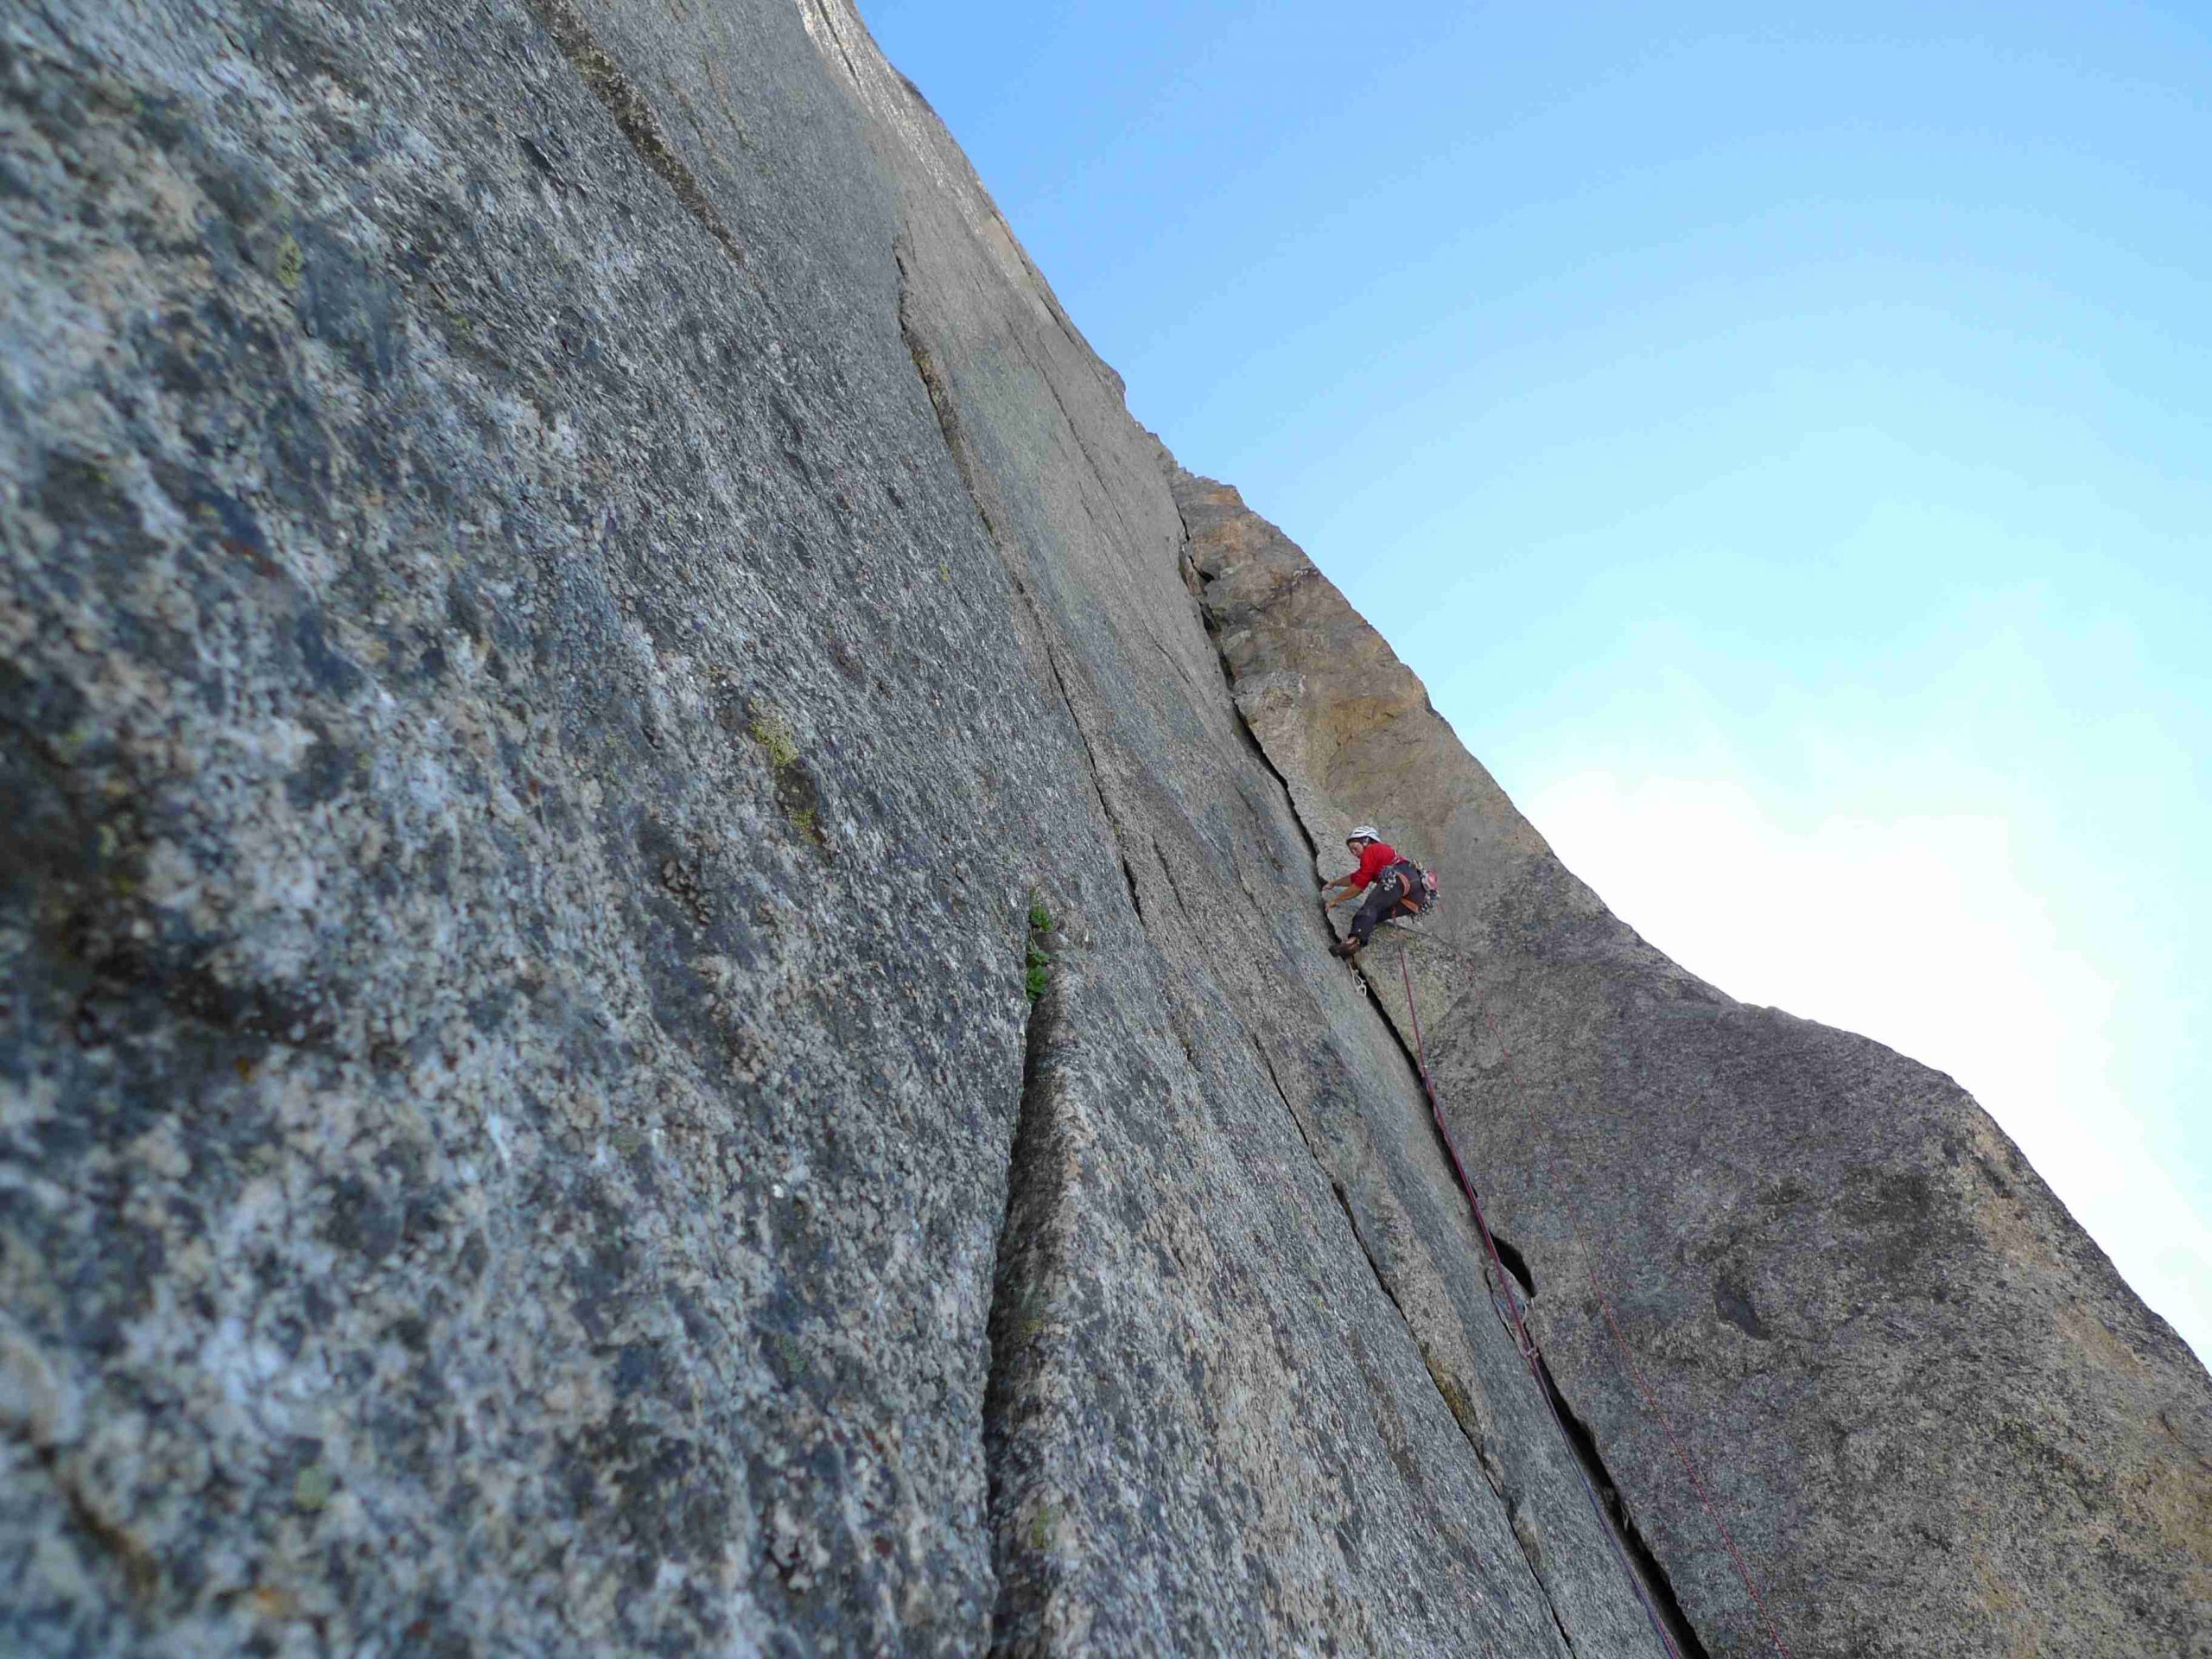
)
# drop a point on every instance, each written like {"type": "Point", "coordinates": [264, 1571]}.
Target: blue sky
{"type": "Point", "coordinates": [1782, 447]}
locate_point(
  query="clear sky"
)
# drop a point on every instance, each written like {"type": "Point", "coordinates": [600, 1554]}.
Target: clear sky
{"type": "Point", "coordinates": [1783, 447]}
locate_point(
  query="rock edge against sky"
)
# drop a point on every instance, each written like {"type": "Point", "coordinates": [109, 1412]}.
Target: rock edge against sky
{"type": "Point", "coordinates": [577, 617]}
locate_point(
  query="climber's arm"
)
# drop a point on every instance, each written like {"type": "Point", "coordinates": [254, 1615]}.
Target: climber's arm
{"type": "Point", "coordinates": [1374, 858]}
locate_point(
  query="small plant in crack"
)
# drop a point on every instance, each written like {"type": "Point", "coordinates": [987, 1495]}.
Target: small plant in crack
{"type": "Point", "coordinates": [1037, 966]}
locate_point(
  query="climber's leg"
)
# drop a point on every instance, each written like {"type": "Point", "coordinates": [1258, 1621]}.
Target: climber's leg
{"type": "Point", "coordinates": [1382, 898]}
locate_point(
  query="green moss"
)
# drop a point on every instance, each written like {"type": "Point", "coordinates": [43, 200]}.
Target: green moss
{"type": "Point", "coordinates": [1037, 965]}
{"type": "Point", "coordinates": [291, 263]}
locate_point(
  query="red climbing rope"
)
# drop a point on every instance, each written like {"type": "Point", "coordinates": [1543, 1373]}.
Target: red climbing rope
{"type": "Point", "coordinates": [1524, 1339]}
{"type": "Point", "coordinates": [1689, 1467]}
{"type": "Point", "coordinates": [1527, 1343]}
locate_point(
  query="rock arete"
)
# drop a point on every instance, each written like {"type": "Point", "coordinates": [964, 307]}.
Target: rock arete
{"type": "Point", "coordinates": [576, 618]}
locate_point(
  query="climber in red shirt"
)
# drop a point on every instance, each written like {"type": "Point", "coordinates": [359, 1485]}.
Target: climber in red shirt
{"type": "Point", "coordinates": [1392, 885]}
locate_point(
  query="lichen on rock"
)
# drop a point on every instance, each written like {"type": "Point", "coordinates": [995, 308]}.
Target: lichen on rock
{"type": "Point", "coordinates": [567, 593]}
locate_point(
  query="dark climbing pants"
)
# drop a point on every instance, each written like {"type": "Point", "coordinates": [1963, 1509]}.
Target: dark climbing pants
{"type": "Point", "coordinates": [1394, 887]}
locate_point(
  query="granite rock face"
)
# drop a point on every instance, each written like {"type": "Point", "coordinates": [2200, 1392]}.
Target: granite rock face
{"type": "Point", "coordinates": [658, 1000]}
{"type": "Point", "coordinates": [1933, 1418]}
{"type": "Point", "coordinates": [577, 622]}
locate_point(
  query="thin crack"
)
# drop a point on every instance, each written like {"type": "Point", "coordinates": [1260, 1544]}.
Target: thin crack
{"type": "Point", "coordinates": [1089, 755]}
{"type": "Point", "coordinates": [955, 444]}
{"type": "Point", "coordinates": [1130, 876]}
{"type": "Point", "coordinates": [1581, 1443]}
{"type": "Point", "coordinates": [1484, 1460]}
{"type": "Point", "coordinates": [940, 396]}
{"type": "Point", "coordinates": [1175, 886]}
{"type": "Point", "coordinates": [838, 39]}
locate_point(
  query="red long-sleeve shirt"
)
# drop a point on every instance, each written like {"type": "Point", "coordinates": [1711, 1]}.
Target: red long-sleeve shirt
{"type": "Point", "coordinates": [1377, 857]}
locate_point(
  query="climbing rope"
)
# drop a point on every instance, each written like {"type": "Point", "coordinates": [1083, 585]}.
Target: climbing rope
{"type": "Point", "coordinates": [1526, 1342]}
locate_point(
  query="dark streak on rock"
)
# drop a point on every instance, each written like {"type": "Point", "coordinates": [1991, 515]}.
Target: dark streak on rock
{"type": "Point", "coordinates": [633, 116]}
{"type": "Point", "coordinates": [1029, 1263]}
{"type": "Point", "coordinates": [1643, 1562]}
{"type": "Point", "coordinates": [1456, 1409]}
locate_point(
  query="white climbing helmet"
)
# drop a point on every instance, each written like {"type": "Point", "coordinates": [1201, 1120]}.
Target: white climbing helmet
{"type": "Point", "coordinates": [1364, 832]}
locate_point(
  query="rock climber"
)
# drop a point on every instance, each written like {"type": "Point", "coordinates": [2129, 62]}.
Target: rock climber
{"type": "Point", "coordinates": [1393, 886]}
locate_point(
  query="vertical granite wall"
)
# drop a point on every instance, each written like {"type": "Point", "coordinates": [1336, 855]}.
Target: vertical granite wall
{"type": "Point", "coordinates": [1931, 1417]}
{"type": "Point", "coordinates": [581, 632]}
{"type": "Point", "coordinates": [568, 596]}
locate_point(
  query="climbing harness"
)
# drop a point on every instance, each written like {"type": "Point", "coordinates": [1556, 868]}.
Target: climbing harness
{"type": "Point", "coordinates": [1524, 1339]}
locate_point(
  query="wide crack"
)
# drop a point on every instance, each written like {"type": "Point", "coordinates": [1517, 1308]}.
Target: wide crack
{"type": "Point", "coordinates": [1031, 1253]}
{"type": "Point", "coordinates": [1516, 1264]}
{"type": "Point", "coordinates": [1031, 1260]}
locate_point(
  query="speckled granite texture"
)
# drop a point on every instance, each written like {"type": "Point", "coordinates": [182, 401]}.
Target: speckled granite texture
{"type": "Point", "coordinates": [578, 623]}
{"type": "Point", "coordinates": [566, 593]}
{"type": "Point", "coordinates": [1935, 1420]}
